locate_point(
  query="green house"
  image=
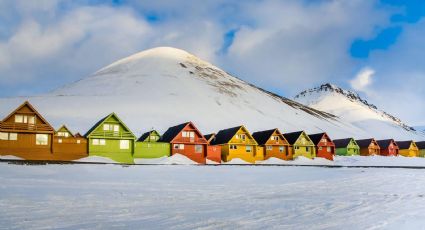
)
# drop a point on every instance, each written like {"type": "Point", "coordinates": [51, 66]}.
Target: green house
{"type": "Point", "coordinates": [346, 147]}
{"type": "Point", "coordinates": [147, 146]}
{"type": "Point", "coordinates": [111, 138]}
{"type": "Point", "coordinates": [301, 145]}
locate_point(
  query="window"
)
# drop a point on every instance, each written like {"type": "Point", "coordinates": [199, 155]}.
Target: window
{"type": "Point", "coordinates": [233, 147]}
{"type": "Point", "coordinates": [41, 139]}
{"type": "Point", "coordinates": [178, 146]}
{"type": "Point", "coordinates": [63, 134]}
{"type": "Point", "coordinates": [13, 136]}
{"type": "Point", "coordinates": [274, 138]}
{"type": "Point", "coordinates": [124, 144]}
{"type": "Point", "coordinates": [281, 149]}
{"type": "Point", "coordinates": [95, 142]}
{"type": "Point", "coordinates": [296, 147]}
{"type": "Point", "coordinates": [269, 148]}
{"type": "Point", "coordinates": [102, 142]}
{"type": "Point", "coordinates": [153, 138]}
{"type": "Point", "coordinates": [4, 136]}
{"type": "Point", "coordinates": [78, 141]}
{"type": "Point", "coordinates": [24, 119]}
{"type": "Point", "coordinates": [110, 127]}
{"type": "Point", "coordinates": [320, 148]}
{"type": "Point", "coordinates": [198, 148]}
{"type": "Point", "coordinates": [307, 149]}
{"type": "Point", "coordinates": [328, 149]}
{"type": "Point", "coordinates": [248, 149]}
{"type": "Point", "coordinates": [59, 140]}
{"type": "Point", "coordinates": [243, 136]}
{"type": "Point", "coordinates": [190, 134]}
{"type": "Point", "coordinates": [324, 140]}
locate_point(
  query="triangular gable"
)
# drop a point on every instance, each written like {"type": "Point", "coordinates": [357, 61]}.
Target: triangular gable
{"type": "Point", "coordinates": [308, 140]}
{"type": "Point", "coordinates": [144, 137]}
{"type": "Point", "coordinates": [374, 142]}
{"type": "Point", "coordinates": [264, 137]}
{"type": "Point", "coordinates": [63, 128]}
{"type": "Point", "coordinates": [172, 132]}
{"type": "Point", "coordinates": [200, 136]}
{"type": "Point", "coordinates": [414, 146]}
{"type": "Point", "coordinates": [246, 132]}
{"type": "Point", "coordinates": [103, 121]}
{"type": "Point", "coordinates": [353, 142]}
{"type": "Point", "coordinates": [32, 109]}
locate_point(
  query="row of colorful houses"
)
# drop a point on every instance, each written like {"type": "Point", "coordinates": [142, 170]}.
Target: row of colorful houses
{"type": "Point", "coordinates": [24, 133]}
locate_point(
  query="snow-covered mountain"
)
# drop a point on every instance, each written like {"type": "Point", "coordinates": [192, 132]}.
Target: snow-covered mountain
{"type": "Point", "coordinates": [164, 86]}
{"type": "Point", "coordinates": [350, 107]}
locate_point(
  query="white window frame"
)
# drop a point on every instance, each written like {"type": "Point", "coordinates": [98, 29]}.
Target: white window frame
{"type": "Point", "coordinates": [78, 141]}
{"type": "Point", "coordinates": [41, 139]}
{"type": "Point", "coordinates": [4, 136]}
{"type": "Point", "coordinates": [102, 141]}
{"type": "Point", "coordinates": [124, 144]}
{"type": "Point", "coordinates": [59, 140]}
{"type": "Point", "coordinates": [199, 149]}
{"type": "Point", "coordinates": [13, 136]}
{"type": "Point", "coordinates": [233, 147]}
{"type": "Point", "coordinates": [95, 142]}
{"type": "Point", "coordinates": [269, 147]}
{"type": "Point", "coordinates": [281, 149]}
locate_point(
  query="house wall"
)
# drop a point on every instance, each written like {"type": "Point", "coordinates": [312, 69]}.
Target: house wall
{"type": "Point", "coordinates": [25, 147]}
{"type": "Point", "coordinates": [214, 153]}
{"type": "Point", "coordinates": [326, 149]}
{"type": "Point", "coordinates": [275, 152]}
{"type": "Point", "coordinates": [241, 153]}
{"type": "Point", "coordinates": [112, 150]}
{"type": "Point", "coordinates": [259, 153]}
{"type": "Point", "coordinates": [305, 151]}
{"type": "Point", "coordinates": [189, 152]}
{"type": "Point", "coordinates": [69, 149]}
{"type": "Point", "coordinates": [422, 153]}
{"type": "Point", "coordinates": [409, 152]}
{"type": "Point", "coordinates": [151, 149]}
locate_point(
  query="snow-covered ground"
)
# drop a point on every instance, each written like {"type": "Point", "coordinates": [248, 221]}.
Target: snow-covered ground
{"type": "Point", "coordinates": [209, 197]}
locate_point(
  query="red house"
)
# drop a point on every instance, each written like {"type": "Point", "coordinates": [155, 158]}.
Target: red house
{"type": "Point", "coordinates": [324, 145]}
{"type": "Point", "coordinates": [213, 151]}
{"type": "Point", "coordinates": [187, 140]}
{"type": "Point", "coordinates": [388, 147]}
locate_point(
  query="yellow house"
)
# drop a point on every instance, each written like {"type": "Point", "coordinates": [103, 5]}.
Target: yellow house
{"type": "Point", "coordinates": [237, 142]}
{"type": "Point", "coordinates": [408, 148]}
{"type": "Point", "coordinates": [301, 144]}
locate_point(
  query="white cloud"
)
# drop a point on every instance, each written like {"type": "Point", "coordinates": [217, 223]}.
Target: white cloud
{"type": "Point", "coordinates": [363, 79]}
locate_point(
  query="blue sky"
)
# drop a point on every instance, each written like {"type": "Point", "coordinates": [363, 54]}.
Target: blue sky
{"type": "Point", "coordinates": [285, 46]}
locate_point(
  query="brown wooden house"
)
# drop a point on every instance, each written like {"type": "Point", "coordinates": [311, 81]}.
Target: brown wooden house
{"type": "Point", "coordinates": [26, 134]}
{"type": "Point", "coordinates": [368, 147]}
{"type": "Point", "coordinates": [274, 144]}
{"type": "Point", "coordinates": [187, 140]}
{"type": "Point", "coordinates": [388, 147]}
{"type": "Point", "coordinates": [324, 145]}
{"type": "Point", "coordinates": [67, 146]}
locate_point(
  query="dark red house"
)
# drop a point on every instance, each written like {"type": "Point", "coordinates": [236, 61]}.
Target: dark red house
{"type": "Point", "coordinates": [187, 140]}
{"type": "Point", "coordinates": [388, 147]}
{"type": "Point", "coordinates": [324, 145]}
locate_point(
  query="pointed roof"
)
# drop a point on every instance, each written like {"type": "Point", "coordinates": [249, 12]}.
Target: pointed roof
{"type": "Point", "coordinates": [147, 134]}
{"type": "Point", "coordinates": [420, 144]}
{"type": "Point", "coordinates": [101, 121]}
{"type": "Point", "coordinates": [342, 143]}
{"type": "Point", "coordinates": [293, 137]}
{"type": "Point", "coordinates": [316, 138]}
{"type": "Point", "coordinates": [263, 136]}
{"type": "Point", "coordinates": [27, 103]}
{"type": "Point", "coordinates": [78, 135]}
{"type": "Point", "coordinates": [386, 143]}
{"type": "Point", "coordinates": [210, 137]}
{"type": "Point", "coordinates": [364, 143]}
{"type": "Point", "coordinates": [66, 128]}
{"type": "Point", "coordinates": [404, 144]}
{"type": "Point", "coordinates": [225, 135]}
{"type": "Point", "coordinates": [172, 132]}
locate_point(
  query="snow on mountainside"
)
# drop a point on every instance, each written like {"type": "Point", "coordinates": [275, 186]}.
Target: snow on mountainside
{"type": "Point", "coordinates": [162, 87]}
{"type": "Point", "coordinates": [350, 107]}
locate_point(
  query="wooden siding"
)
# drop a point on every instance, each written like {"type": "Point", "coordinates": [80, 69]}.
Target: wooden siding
{"type": "Point", "coordinates": [190, 144]}
{"type": "Point", "coordinates": [148, 149]}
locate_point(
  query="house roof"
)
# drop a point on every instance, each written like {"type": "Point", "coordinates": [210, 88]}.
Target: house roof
{"type": "Point", "coordinates": [342, 143]}
{"type": "Point", "coordinates": [209, 136]}
{"type": "Point", "coordinates": [225, 135]}
{"type": "Point", "coordinates": [27, 103]}
{"type": "Point", "coordinates": [421, 144]}
{"type": "Point", "coordinates": [292, 137]}
{"type": "Point", "coordinates": [263, 136]}
{"type": "Point", "coordinates": [385, 143]}
{"type": "Point", "coordinates": [172, 132]}
{"type": "Point", "coordinates": [147, 134]}
{"type": "Point", "coordinates": [404, 144]}
{"type": "Point", "coordinates": [66, 128]}
{"type": "Point", "coordinates": [103, 120]}
{"type": "Point", "coordinates": [364, 143]}
{"type": "Point", "coordinates": [316, 138]}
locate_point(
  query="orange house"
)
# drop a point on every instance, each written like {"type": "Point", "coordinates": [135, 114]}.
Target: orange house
{"type": "Point", "coordinates": [26, 134]}
{"type": "Point", "coordinates": [274, 144]}
{"type": "Point", "coordinates": [187, 140]}
{"type": "Point", "coordinates": [368, 147]}
{"type": "Point", "coordinates": [213, 151]}
{"type": "Point", "coordinates": [67, 146]}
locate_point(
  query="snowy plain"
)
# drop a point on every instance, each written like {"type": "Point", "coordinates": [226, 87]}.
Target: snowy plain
{"type": "Point", "coordinates": [90, 196]}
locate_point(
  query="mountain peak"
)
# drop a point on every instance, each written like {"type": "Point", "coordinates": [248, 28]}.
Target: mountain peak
{"type": "Point", "coordinates": [331, 88]}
